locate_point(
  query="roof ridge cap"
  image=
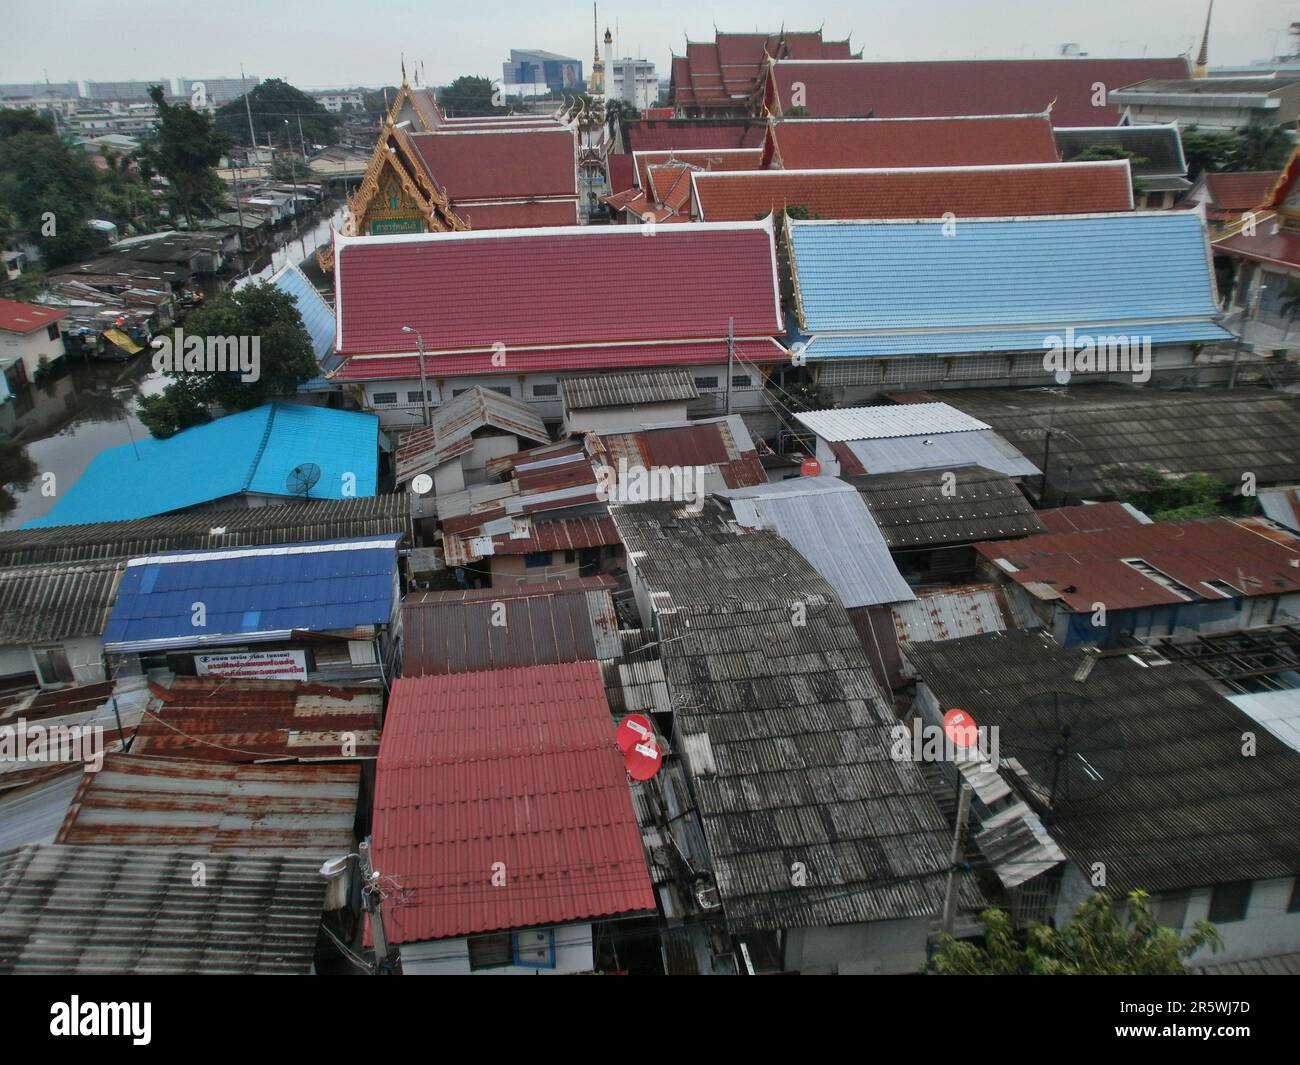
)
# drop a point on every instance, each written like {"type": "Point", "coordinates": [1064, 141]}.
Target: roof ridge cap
{"type": "Point", "coordinates": [261, 447]}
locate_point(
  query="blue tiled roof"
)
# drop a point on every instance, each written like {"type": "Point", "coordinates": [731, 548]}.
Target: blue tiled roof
{"type": "Point", "coordinates": [254, 593]}
{"type": "Point", "coordinates": [948, 342]}
{"type": "Point", "coordinates": [253, 451]}
{"type": "Point", "coordinates": [317, 316]}
{"type": "Point", "coordinates": [1010, 273]}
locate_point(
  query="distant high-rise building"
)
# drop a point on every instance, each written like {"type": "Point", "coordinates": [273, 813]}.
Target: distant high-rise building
{"type": "Point", "coordinates": [558, 73]}
{"type": "Point", "coordinates": [125, 90]}
{"type": "Point", "coordinates": [218, 90]}
{"type": "Point", "coordinates": [633, 81]}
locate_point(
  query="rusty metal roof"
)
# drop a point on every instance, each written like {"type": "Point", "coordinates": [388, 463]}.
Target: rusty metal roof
{"type": "Point", "coordinates": [121, 910]}
{"type": "Point", "coordinates": [134, 800]}
{"type": "Point", "coordinates": [1149, 565]}
{"type": "Point", "coordinates": [218, 719]}
{"type": "Point", "coordinates": [722, 445]}
{"type": "Point", "coordinates": [517, 766]}
{"type": "Point", "coordinates": [452, 426]}
{"type": "Point", "coordinates": [628, 389]}
{"type": "Point", "coordinates": [549, 623]}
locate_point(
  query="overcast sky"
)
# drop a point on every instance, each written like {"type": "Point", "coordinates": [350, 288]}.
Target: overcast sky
{"type": "Point", "coordinates": [342, 43]}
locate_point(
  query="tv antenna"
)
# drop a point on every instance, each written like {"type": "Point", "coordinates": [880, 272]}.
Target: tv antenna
{"type": "Point", "coordinates": [1070, 749]}
{"type": "Point", "coordinates": [302, 479]}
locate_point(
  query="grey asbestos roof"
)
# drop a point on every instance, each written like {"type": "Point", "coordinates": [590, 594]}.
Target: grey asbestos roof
{"type": "Point", "coordinates": [1169, 802]}
{"type": "Point", "coordinates": [941, 451]}
{"type": "Point", "coordinates": [829, 524]}
{"type": "Point", "coordinates": [926, 507]}
{"type": "Point", "coordinates": [1104, 435]}
{"type": "Point", "coordinates": [888, 420]}
{"type": "Point", "coordinates": [336, 519]}
{"type": "Point", "coordinates": [56, 601]}
{"type": "Point", "coordinates": [115, 911]}
{"type": "Point", "coordinates": [628, 389]}
{"type": "Point", "coordinates": [783, 729]}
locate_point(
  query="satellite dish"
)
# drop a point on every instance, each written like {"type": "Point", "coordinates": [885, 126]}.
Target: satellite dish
{"type": "Point", "coordinates": [1071, 750]}
{"type": "Point", "coordinates": [302, 479]}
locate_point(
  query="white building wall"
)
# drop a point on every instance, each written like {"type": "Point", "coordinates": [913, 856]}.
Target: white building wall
{"type": "Point", "coordinates": [30, 348]}
{"type": "Point", "coordinates": [859, 949]}
{"type": "Point", "coordinates": [1268, 929]}
{"type": "Point", "coordinates": [450, 957]}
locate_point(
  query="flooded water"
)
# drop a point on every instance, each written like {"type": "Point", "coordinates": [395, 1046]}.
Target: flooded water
{"type": "Point", "coordinates": [61, 424]}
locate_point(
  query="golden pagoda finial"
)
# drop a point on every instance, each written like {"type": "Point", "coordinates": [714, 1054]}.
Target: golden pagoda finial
{"type": "Point", "coordinates": [403, 55]}
{"type": "Point", "coordinates": [1203, 59]}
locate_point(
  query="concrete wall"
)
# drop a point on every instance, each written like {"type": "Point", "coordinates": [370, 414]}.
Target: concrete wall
{"type": "Point", "coordinates": [878, 947]}
{"type": "Point", "coordinates": [1268, 929]}
{"type": "Point", "coordinates": [85, 656]}
{"type": "Point", "coordinates": [30, 348]}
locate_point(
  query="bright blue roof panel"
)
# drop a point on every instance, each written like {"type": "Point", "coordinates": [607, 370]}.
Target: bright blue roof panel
{"type": "Point", "coordinates": [253, 451]}
{"type": "Point", "coordinates": [939, 342]}
{"type": "Point", "coordinates": [892, 276]}
{"type": "Point", "coordinates": [253, 593]}
{"type": "Point", "coordinates": [317, 317]}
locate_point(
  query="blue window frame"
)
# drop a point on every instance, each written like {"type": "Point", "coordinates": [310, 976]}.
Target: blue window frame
{"type": "Point", "coordinates": [535, 948]}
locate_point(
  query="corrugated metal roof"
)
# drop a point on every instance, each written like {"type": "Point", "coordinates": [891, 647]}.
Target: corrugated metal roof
{"type": "Point", "coordinates": [1282, 504]}
{"type": "Point", "coordinates": [828, 523]}
{"type": "Point", "coordinates": [949, 614]}
{"type": "Point", "coordinates": [722, 445]}
{"type": "Point", "coordinates": [1105, 438]}
{"type": "Point", "coordinates": [1272, 965]}
{"type": "Point", "coordinates": [516, 766]}
{"type": "Point", "coordinates": [34, 814]}
{"type": "Point", "coordinates": [317, 315]}
{"type": "Point", "coordinates": [318, 519]}
{"type": "Point", "coordinates": [628, 390]}
{"type": "Point", "coordinates": [795, 728]}
{"type": "Point", "coordinates": [253, 593]}
{"type": "Point", "coordinates": [117, 911]}
{"type": "Point", "coordinates": [961, 505]}
{"type": "Point", "coordinates": [56, 601]}
{"type": "Point", "coordinates": [558, 534]}
{"type": "Point", "coordinates": [257, 451]}
{"type": "Point", "coordinates": [135, 800]}
{"type": "Point", "coordinates": [1097, 270]}
{"type": "Point", "coordinates": [941, 451]}
{"type": "Point", "coordinates": [1092, 517]}
{"type": "Point", "coordinates": [887, 421]}
{"type": "Point", "coordinates": [219, 719]}
{"type": "Point", "coordinates": [1169, 803]}
{"type": "Point", "coordinates": [545, 624]}
{"type": "Point", "coordinates": [1157, 150]}
{"type": "Point", "coordinates": [452, 427]}
{"type": "Point", "coordinates": [1213, 560]}
{"type": "Point", "coordinates": [1277, 711]}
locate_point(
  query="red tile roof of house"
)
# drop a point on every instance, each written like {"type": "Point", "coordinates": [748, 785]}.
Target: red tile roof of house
{"type": "Point", "coordinates": [622, 172]}
{"type": "Point", "coordinates": [1242, 191]}
{"type": "Point", "coordinates": [670, 187]}
{"type": "Point", "coordinates": [471, 292]}
{"type": "Point", "coordinates": [1086, 568]}
{"type": "Point", "coordinates": [706, 159]}
{"type": "Point", "coordinates": [680, 134]}
{"type": "Point", "coordinates": [516, 766]}
{"type": "Point", "coordinates": [25, 318]}
{"type": "Point", "coordinates": [541, 360]}
{"type": "Point", "coordinates": [519, 214]}
{"type": "Point", "coordinates": [510, 164]}
{"type": "Point", "coordinates": [968, 192]}
{"type": "Point", "coordinates": [724, 72]}
{"type": "Point", "coordinates": [968, 87]}
{"type": "Point", "coordinates": [819, 144]}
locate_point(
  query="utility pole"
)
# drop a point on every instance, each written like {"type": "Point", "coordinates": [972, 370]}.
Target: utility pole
{"type": "Point", "coordinates": [731, 355]}
{"type": "Point", "coordinates": [424, 388]}
{"type": "Point", "coordinates": [958, 840]}
{"type": "Point", "coordinates": [252, 137]}
{"type": "Point", "coordinates": [373, 898]}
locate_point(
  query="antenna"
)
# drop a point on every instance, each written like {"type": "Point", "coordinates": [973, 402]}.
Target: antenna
{"type": "Point", "coordinates": [1069, 748]}
{"type": "Point", "coordinates": [302, 479]}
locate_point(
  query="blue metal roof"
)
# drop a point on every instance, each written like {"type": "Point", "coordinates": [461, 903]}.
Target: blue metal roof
{"type": "Point", "coordinates": [952, 342]}
{"type": "Point", "coordinates": [1012, 273]}
{"type": "Point", "coordinates": [253, 593]}
{"type": "Point", "coordinates": [317, 316]}
{"type": "Point", "coordinates": [253, 451]}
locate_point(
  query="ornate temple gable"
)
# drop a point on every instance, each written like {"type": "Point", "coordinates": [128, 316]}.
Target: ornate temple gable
{"type": "Point", "coordinates": [418, 106]}
{"type": "Point", "coordinates": [397, 194]}
{"type": "Point", "coordinates": [1285, 198]}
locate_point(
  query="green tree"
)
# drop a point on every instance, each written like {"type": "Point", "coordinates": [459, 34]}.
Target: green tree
{"type": "Point", "coordinates": [272, 103]}
{"type": "Point", "coordinates": [185, 150]}
{"type": "Point", "coordinates": [286, 359]}
{"type": "Point", "coordinates": [470, 96]}
{"type": "Point", "coordinates": [24, 121]}
{"type": "Point", "coordinates": [1207, 151]}
{"type": "Point", "coordinates": [1100, 940]}
{"type": "Point", "coordinates": [1260, 148]}
{"type": "Point", "coordinates": [1185, 497]}
{"type": "Point", "coordinates": [618, 111]}
{"type": "Point", "coordinates": [1102, 152]}
{"type": "Point", "coordinates": [47, 192]}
